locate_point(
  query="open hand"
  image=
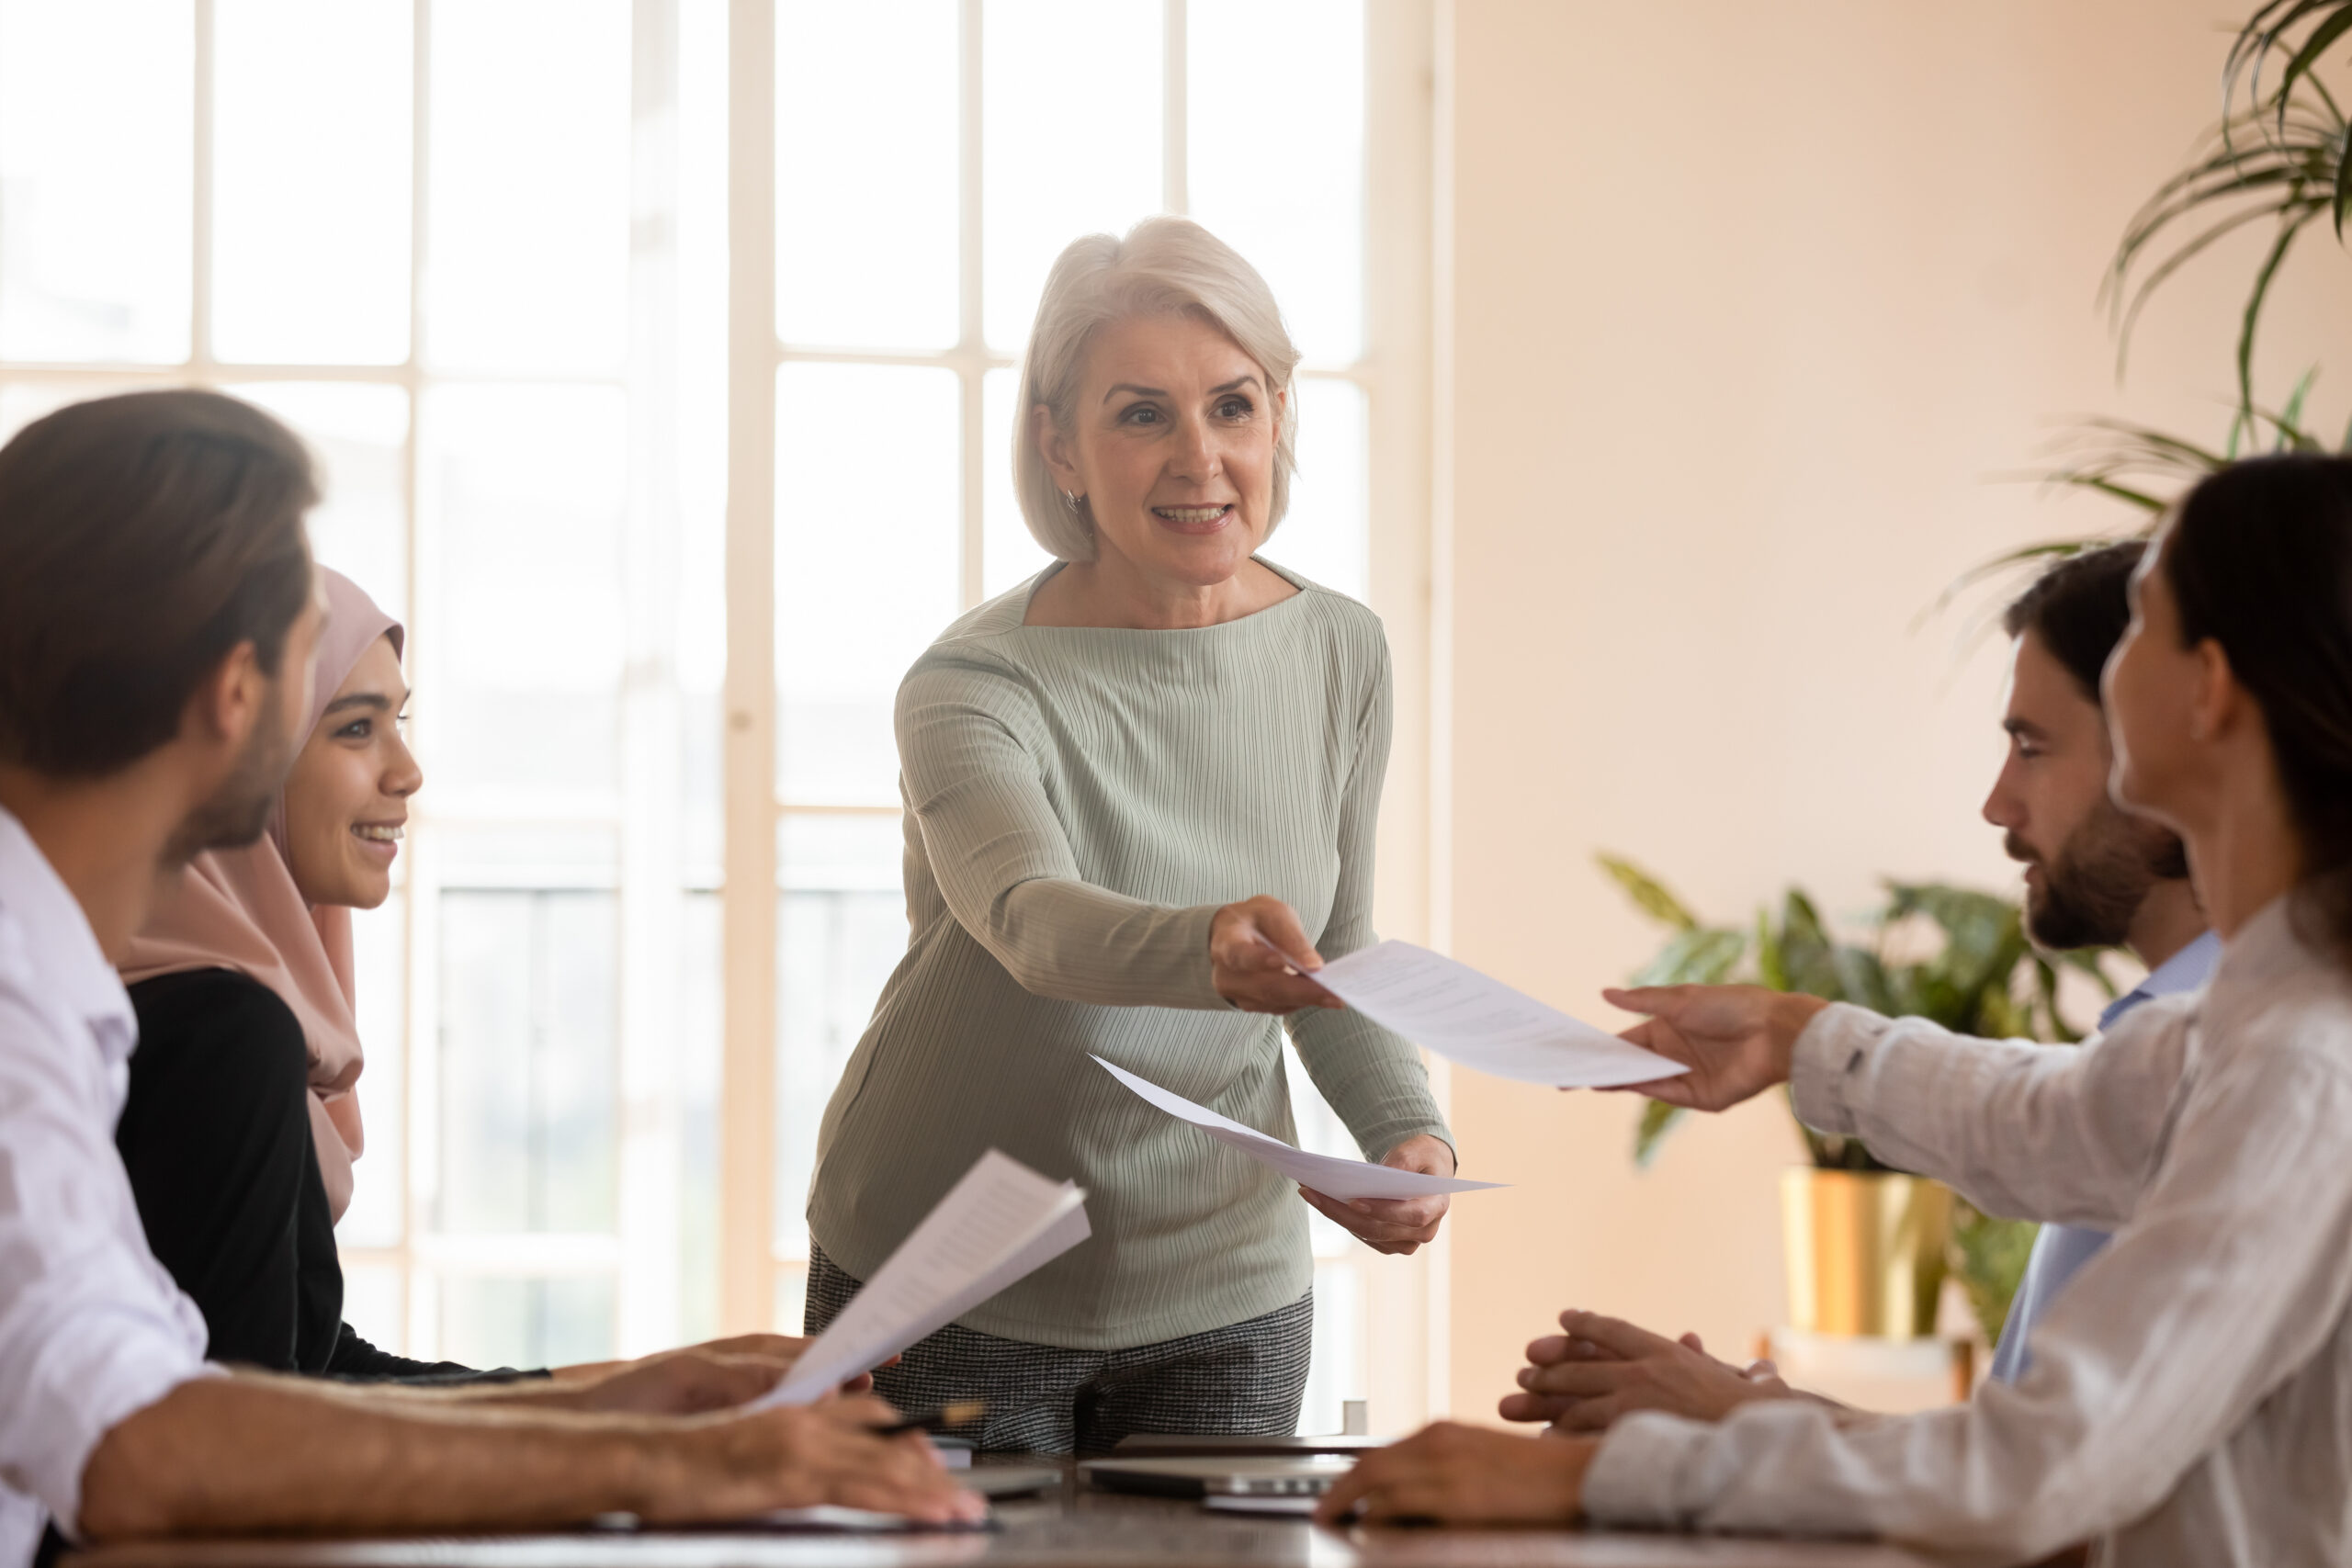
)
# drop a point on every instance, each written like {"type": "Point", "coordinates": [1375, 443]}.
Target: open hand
{"type": "Point", "coordinates": [1603, 1368]}
{"type": "Point", "coordinates": [1259, 958]}
{"type": "Point", "coordinates": [1394, 1226]}
{"type": "Point", "coordinates": [1464, 1475]}
{"type": "Point", "coordinates": [1737, 1039]}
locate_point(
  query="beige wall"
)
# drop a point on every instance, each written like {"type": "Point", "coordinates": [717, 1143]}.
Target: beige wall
{"type": "Point", "coordinates": [1751, 305]}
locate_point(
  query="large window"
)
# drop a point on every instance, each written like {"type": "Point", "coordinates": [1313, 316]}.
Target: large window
{"type": "Point", "coordinates": [660, 356]}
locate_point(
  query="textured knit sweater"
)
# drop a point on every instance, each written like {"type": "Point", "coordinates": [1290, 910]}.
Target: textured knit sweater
{"type": "Point", "coordinates": [1079, 802]}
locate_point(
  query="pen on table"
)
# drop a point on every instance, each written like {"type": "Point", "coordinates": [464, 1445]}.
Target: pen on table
{"type": "Point", "coordinates": [961, 1413]}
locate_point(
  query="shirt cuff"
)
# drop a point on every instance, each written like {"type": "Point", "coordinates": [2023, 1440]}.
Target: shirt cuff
{"type": "Point", "coordinates": [137, 1375]}
{"type": "Point", "coordinates": [1822, 1063]}
{"type": "Point", "coordinates": [1636, 1478]}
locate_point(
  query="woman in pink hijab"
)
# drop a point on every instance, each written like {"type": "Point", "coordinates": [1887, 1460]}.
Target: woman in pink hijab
{"type": "Point", "coordinates": [241, 1125]}
{"type": "Point", "coordinates": [243, 983]}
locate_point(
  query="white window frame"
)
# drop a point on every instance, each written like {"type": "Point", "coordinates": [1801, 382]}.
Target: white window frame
{"type": "Point", "coordinates": [1405, 1315]}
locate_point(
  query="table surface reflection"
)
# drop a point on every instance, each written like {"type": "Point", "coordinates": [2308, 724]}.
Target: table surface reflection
{"type": "Point", "coordinates": [1064, 1528]}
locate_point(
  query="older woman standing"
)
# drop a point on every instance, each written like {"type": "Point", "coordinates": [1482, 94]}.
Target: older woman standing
{"type": "Point", "coordinates": [1124, 780]}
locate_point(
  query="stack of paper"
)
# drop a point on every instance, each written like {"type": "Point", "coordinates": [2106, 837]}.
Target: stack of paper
{"type": "Point", "coordinates": [1473, 1019]}
{"type": "Point", "coordinates": [1346, 1179]}
{"type": "Point", "coordinates": [1001, 1221]}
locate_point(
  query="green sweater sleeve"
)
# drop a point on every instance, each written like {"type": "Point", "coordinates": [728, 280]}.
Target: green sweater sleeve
{"type": "Point", "coordinates": [1373, 1076]}
{"type": "Point", "coordinates": [968, 741]}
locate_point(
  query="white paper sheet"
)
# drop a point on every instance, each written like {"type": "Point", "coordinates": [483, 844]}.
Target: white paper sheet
{"type": "Point", "coordinates": [1346, 1179]}
{"type": "Point", "coordinates": [1480, 1022]}
{"type": "Point", "coordinates": [999, 1222]}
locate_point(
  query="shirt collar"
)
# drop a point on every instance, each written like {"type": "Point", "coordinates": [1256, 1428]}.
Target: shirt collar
{"type": "Point", "coordinates": [57, 937]}
{"type": "Point", "coordinates": [2184, 971]}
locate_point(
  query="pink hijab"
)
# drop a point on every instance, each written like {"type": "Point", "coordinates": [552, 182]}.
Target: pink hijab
{"type": "Point", "coordinates": [239, 909]}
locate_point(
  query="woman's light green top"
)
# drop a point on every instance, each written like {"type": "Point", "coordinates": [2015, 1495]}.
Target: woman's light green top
{"type": "Point", "coordinates": [1079, 802]}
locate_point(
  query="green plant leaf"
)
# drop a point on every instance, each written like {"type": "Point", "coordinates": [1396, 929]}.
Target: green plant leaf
{"type": "Point", "coordinates": [2254, 300]}
{"type": "Point", "coordinates": [1648, 893]}
{"type": "Point", "coordinates": [1657, 1120]}
{"type": "Point", "coordinates": [1700, 955]}
{"type": "Point", "coordinates": [1989, 1257]}
{"type": "Point", "coordinates": [2326, 33]}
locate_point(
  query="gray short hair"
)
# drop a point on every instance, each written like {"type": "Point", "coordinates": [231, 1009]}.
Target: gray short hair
{"type": "Point", "coordinates": [1163, 266]}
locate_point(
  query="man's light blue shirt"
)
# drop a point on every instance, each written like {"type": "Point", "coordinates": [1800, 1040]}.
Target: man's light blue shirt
{"type": "Point", "coordinates": [2059, 1251]}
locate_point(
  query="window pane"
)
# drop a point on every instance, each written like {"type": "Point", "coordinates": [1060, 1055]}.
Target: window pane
{"type": "Point", "coordinates": [1287, 74]}
{"type": "Point", "coordinates": [840, 928]}
{"type": "Point", "coordinates": [527, 1038]}
{"type": "Point", "coordinates": [1071, 98]}
{"type": "Point", "coordinates": [1009, 554]}
{"type": "Point", "coordinates": [378, 942]}
{"type": "Point", "coordinates": [529, 227]}
{"type": "Point", "coordinates": [1327, 536]}
{"type": "Point", "coordinates": [494, 1322]}
{"type": "Point", "coordinates": [866, 164]}
{"type": "Point", "coordinates": [868, 565]}
{"type": "Point", "coordinates": [96, 157]}
{"type": "Point", "coordinates": [360, 436]}
{"type": "Point", "coordinates": [312, 145]}
{"type": "Point", "coordinates": [21, 402]}
{"type": "Point", "coordinates": [525, 488]}
{"type": "Point", "coordinates": [372, 1304]}
{"type": "Point", "coordinates": [699, 1052]}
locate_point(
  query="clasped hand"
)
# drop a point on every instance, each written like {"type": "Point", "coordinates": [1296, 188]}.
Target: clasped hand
{"type": "Point", "coordinates": [1602, 1368]}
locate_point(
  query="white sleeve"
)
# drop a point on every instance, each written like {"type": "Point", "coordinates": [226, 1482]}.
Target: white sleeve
{"type": "Point", "coordinates": [2231, 1277]}
{"type": "Point", "coordinates": [91, 1330]}
{"type": "Point", "coordinates": [2050, 1133]}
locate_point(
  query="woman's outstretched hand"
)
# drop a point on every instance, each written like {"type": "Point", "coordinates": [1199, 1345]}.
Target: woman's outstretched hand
{"type": "Point", "coordinates": [1738, 1040]}
{"type": "Point", "coordinates": [1394, 1226]}
{"type": "Point", "coordinates": [1259, 958]}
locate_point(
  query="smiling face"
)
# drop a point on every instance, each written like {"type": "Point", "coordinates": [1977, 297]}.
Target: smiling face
{"type": "Point", "coordinates": [1172, 447]}
{"type": "Point", "coordinates": [346, 798]}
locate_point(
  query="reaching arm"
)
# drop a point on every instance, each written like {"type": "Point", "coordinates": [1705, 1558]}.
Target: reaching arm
{"type": "Point", "coordinates": [2048, 1133]}
{"type": "Point", "coordinates": [255, 1454]}
{"type": "Point", "coordinates": [2230, 1278]}
{"type": "Point", "coordinates": [969, 742]}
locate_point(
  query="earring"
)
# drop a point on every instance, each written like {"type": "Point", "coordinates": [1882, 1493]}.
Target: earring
{"type": "Point", "coordinates": [1072, 500]}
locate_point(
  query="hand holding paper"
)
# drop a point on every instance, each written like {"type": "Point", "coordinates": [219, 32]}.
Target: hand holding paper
{"type": "Point", "coordinates": [1346, 1179]}
{"type": "Point", "coordinates": [1001, 1221]}
{"type": "Point", "coordinates": [1480, 1022]}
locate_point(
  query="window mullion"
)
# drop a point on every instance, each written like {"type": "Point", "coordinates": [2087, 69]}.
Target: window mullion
{"type": "Point", "coordinates": [1175, 175]}
{"type": "Point", "coordinates": [747, 1099]}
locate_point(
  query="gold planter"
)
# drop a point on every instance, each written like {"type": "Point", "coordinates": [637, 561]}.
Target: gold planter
{"type": "Point", "coordinates": [1865, 1251]}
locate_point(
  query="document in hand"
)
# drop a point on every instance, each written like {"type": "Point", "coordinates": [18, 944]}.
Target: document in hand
{"type": "Point", "coordinates": [1480, 1022]}
{"type": "Point", "coordinates": [1001, 1221]}
{"type": "Point", "coordinates": [1346, 1179]}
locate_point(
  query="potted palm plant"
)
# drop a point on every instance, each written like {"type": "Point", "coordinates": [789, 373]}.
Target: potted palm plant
{"type": "Point", "coordinates": [1868, 1245]}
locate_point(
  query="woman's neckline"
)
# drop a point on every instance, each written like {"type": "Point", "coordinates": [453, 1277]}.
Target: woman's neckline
{"type": "Point", "coordinates": [1298, 585]}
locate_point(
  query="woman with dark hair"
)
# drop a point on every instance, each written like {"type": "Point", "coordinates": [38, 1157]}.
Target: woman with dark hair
{"type": "Point", "coordinates": [2190, 1399]}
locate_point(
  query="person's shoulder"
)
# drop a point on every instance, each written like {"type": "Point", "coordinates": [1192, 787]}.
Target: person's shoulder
{"type": "Point", "coordinates": [1348, 622]}
{"type": "Point", "coordinates": [194, 999]}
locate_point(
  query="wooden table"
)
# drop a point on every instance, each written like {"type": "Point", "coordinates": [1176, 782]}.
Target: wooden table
{"type": "Point", "coordinates": [1074, 1527]}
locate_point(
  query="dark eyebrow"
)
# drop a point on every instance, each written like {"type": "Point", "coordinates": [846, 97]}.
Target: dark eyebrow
{"type": "Point", "coordinates": [1235, 385]}
{"type": "Point", "coordinates": [374, 700]}
{"type": "Point", "coordinates": [2024, 728]}
{"type": "Point", "coordinates": [1131, 386]}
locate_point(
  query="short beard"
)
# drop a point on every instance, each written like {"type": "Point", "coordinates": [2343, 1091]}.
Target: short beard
{"type": "Point", "coordinates": [238, 810]}
{"type": "Point", "coordinates": [2098, 880]}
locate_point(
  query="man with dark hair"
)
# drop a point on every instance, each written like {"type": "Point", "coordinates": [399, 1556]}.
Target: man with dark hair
{"type": "Point", "coordinates": [2096, 876]}
{"type": "Point", "coordinates": [158, 617]}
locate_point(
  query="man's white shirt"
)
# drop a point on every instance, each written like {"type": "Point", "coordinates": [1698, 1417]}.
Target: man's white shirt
{"type": "Point", "coordinates": [91, 1328]}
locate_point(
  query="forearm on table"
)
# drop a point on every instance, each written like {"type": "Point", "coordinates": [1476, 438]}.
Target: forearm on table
{"type": "Point", "coordinates": [254, 1453]}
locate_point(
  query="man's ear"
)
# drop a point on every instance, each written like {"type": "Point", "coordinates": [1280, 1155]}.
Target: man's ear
{"type": "Point", "coordinates": [229, 701]}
